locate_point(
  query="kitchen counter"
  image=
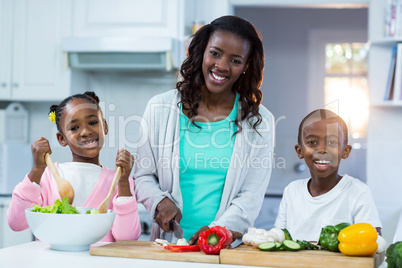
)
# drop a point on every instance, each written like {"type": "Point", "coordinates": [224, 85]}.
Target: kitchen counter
{"type": "Point", "coordinates": [38, 255]}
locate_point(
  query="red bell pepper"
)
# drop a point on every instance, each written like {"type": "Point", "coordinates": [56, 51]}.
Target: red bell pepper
{"type": "Point", "coordinates": [214, 239]}
{"type": "Point", "coordinates": [192, 248]}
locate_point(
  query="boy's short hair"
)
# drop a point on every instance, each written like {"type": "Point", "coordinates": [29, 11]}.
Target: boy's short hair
{"type": "Point", "coordinates": [323, 114]}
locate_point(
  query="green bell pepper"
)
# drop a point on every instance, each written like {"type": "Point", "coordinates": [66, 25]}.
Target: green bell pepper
{"type": "Point", "coordinates": [329, 236]}
{"type": "Point", "coordinates": [340, 226]}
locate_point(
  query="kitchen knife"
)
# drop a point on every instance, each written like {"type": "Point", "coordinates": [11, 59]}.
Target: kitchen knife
{"type": "Point", "coordinates": [175, 227]}
{"type": "Point", "coordinates": [236, 243]}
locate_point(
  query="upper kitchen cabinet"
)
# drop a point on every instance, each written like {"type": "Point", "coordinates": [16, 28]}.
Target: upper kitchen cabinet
{"type": "Point", "coordinates": [199, 12]}
{"type": "Point", "coordinates": [100, 18]}
{"type": "Point", "coordinates": [32, 64]}
{"type": "Point", "coordinates": [172, 18]}
{"type": "Point", "coordinates": [107, 20]}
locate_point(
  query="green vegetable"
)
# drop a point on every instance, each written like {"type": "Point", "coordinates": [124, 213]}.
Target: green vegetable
{"type": "Point", "coordinates": [267, 246]}
{"type": "Point", "coordinates": [287, 234]}
{"type": "Point", "coordinates": [306, 245]}
{"type": "Point", "coordinates": [340, 226]}
{"type": "Point", "coordinates": [329, 236]}
{"type": "Point", "coordinates": [288, 245]}
{"type": "Point", "coordinates": [291, 245]}
{"type": "Point", "coordinates": [278, 245]}
{"type": "Point", "coordinates": [394, 255]}
{"type": "Point", "coordinates": [60, 207]}
{"type": "Point", "coordinates": [92, 211]}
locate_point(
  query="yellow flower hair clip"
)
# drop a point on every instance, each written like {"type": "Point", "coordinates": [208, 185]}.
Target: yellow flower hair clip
{"type": "Point", "coordinates": [52, 117]}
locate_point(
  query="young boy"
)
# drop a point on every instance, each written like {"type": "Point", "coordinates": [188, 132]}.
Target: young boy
{"type": "Point", "coordinates": [326, 198]}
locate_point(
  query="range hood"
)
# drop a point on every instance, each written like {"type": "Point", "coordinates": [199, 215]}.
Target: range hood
{"type": "Point", "coordinates": [150, 53]}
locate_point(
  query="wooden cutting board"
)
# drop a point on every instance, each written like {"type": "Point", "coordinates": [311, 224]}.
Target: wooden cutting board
{"type": "Point", "coordinates": [248, 255]}
{"type": "Point", "coordinates": [147, 250]}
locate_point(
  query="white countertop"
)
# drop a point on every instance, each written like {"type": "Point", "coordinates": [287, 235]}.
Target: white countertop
{"type": "Point", "coordinates": [38, 255]}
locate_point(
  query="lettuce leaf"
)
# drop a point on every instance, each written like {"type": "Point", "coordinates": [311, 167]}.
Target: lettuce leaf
{"type": "Point", "coordinates": [60, 207]}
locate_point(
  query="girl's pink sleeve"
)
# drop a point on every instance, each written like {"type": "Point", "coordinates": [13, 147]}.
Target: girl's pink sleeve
{"type": "Point", "coordinates": [126, 224]}
{"type": "Point", "coordinates": [24, 196]}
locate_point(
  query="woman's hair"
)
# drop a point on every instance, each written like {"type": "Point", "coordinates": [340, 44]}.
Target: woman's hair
{"type": "Point", "coordinates": [58, 109]}
{"type": "Point", "coordinates": [248, 84]}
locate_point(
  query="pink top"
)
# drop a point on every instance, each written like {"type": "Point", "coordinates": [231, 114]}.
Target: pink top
{"type": "Point", "coordinates": [126, 224]}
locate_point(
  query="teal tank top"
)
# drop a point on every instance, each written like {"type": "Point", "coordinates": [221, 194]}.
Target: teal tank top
{"type": "Point", "coordinates": [205, 155]}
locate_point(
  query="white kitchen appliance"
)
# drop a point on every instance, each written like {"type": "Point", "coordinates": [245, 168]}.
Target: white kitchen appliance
{"type": "Point", "coordinates": [14, 124]}
{"type": "Point", "coordinates": [135, 53]}
{"type": "Point", "coordinates": [15, 162]}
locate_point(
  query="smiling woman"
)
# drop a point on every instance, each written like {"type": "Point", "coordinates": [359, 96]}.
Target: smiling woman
{"type": "Point", "coordinates": [209, 126]}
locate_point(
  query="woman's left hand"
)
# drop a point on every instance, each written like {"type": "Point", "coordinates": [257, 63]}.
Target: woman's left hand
{"type": "Point", "coordinates": [235, 235]}
{"type": "Point", "coordinates": [194, 238]}
{"type": "Point", "coordinates": [125, 160]}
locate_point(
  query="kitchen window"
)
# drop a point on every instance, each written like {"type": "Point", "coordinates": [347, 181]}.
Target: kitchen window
{"type": "Point", "coordinates": [346, 86]}
{"type": "Point", "coordinates": [338, 81]}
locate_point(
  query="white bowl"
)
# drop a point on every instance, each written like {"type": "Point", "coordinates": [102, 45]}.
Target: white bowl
{"type": "Point", "coordinates": [70, 232]}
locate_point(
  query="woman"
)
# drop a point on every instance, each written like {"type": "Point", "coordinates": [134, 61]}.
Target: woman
{"type": "Point", "coordinates": [206, 148]}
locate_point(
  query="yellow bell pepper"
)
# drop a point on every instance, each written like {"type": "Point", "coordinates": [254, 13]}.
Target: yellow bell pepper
{"type": "Point", "coordinates": [358, 240]}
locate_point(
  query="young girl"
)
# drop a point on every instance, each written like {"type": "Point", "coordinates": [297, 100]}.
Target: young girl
{"type": "Point", "coordinates": [81, 126]}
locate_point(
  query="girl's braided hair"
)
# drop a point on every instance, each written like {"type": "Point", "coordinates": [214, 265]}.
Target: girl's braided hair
{"type": "Point", "coordinates": [58, 109]}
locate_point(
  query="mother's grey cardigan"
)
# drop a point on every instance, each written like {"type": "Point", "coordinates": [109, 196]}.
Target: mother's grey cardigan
{"type": "Point", "coordinates": [157, 165]}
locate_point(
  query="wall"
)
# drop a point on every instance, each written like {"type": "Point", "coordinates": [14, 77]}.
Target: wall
{"type": "Point", "coordinates": [285, 34]}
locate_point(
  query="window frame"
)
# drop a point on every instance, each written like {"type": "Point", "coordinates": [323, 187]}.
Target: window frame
{"type": "Point", "coordinates": [318, 39]}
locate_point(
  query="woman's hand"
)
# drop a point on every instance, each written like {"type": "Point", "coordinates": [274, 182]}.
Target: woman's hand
{"type": "Point", "coordinates": [235, 235]}
{"type": "Point", "coordinates": [167, 210]}
{"type": "Point", "coordinates": [125, 160]}
{"type": "Point", "coordinates": [39, 149]}
{"type": "Point", "coordinates": [194, 239]}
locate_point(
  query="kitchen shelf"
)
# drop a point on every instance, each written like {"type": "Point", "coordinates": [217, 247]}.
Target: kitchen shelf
{"type": "Point", "coordinates": [384, 128]}
{"type": "Point", "coordinates": [385, 104]}
{"type": "Point", "coordinates": [387, 41]}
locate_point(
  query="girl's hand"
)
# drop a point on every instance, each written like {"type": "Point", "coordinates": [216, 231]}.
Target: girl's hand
{"type": "Point", "coordinates": [39, 148]}
{"type": "Point", "coordinates": [126, 161]}
{"type": "Point", "coordinates": [167, 210]}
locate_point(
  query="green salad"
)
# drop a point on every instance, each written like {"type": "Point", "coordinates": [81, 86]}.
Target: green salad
{"type": "Point", "coordinates": [61, 207]}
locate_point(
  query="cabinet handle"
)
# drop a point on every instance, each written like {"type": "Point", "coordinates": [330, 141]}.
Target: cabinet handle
{"type": "Point", "coordinates": [15, 85]}
{"type": "Point", "coordinates": [4, 84]}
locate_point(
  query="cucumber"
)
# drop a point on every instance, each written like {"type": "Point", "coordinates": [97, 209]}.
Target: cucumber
{"type": "Point", "coordinates": [277, 245]}
{"type": "Point", "coordinates": [306, 245]}
{"type": "Point", "coordinates": [287, 234]}
{"type": "Point", "coordinates": [291, 245]}
{"type": "Point", "coordinates": [267, 246]}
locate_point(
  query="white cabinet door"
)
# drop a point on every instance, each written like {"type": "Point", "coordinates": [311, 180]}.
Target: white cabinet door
{"type": "Point", "coordinates": [125, 18]}
{"type": "Point", "coordinates": [5, 48]}
{"type": "Point", "coordinates": [32, 64]}
{"type": "Point", "coordinates": [39, 69]}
